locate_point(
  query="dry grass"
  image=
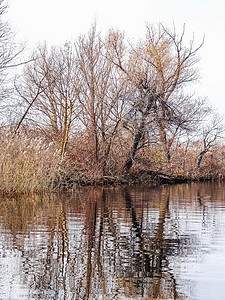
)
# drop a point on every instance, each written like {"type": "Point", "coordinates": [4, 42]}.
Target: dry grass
{"type": "Point", "coordinates": [27, 165]}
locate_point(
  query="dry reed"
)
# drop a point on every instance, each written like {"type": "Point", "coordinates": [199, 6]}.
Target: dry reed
{"type": "Point", "coordinates": [27, 165]}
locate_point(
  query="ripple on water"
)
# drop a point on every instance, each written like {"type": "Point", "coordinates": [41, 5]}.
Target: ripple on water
{"type": "Point", "coordinates": [122, 243]}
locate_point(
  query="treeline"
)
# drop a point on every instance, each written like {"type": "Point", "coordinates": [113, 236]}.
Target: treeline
{"type": "Point", "coordinates": [101, 107]}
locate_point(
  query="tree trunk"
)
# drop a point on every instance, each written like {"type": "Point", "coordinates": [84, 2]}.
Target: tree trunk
{"type": "Point", "coordinates": [200, 157]}
{"type": "Point", "coordinates": [140, 132]}
{"type": "Point", "coordinates": [137, 138]}
{"type": "Point", "coordinates": [26, 112]}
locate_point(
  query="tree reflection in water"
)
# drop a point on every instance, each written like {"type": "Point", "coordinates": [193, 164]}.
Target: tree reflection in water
{"type": "Point", "coordinates": [102, 243]}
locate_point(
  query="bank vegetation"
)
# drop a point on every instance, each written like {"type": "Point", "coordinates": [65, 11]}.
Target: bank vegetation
{"type": "Point", "coordinates": [103, 110]}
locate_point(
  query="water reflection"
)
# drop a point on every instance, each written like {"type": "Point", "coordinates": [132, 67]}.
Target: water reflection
{"type": "Point", "coordinates": [115, 243]}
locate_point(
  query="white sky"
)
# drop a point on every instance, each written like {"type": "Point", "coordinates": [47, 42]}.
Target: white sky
{"type": "Point", "coordinates": [59, 20]}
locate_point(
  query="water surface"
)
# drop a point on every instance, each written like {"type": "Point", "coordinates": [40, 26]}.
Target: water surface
{"type": "Point", "coordinates": [115, 243]}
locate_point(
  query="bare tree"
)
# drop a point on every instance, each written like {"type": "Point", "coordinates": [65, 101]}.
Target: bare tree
{"type": "Point", "coordinates": [157, 68]}
{"type": "Point", "coordinates": [49, 90]}
{"type": "Point", "coordinates": [101, 96]}
{"type": "Point", "coordinates": [212, 132]}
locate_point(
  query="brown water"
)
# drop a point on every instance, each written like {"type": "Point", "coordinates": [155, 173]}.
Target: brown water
{"type": "Point", "coordinates": [115, 243]}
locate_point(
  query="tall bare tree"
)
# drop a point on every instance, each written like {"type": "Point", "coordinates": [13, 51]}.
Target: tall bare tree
{"type": "Point", "coordinates": [157, 68]}
{"type": "Point", "coordinates": [101, 95]}
{"type": "Point", "coordinates": [49, 90]}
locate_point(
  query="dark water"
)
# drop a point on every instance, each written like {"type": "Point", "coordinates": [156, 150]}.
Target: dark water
{"type": "Point", "coordinates": [115, 243]}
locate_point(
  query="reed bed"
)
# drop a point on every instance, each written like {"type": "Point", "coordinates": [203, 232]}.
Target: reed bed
{"type": "Point", "coordinates": [27, 165]}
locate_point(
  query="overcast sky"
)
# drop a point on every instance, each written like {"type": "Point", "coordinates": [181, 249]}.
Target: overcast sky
{"type": "Point", "coordinates": [59, 20]}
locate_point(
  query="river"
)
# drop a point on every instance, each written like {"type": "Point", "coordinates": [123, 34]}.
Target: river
{"type": "Point", "coordinates": [115, 243]}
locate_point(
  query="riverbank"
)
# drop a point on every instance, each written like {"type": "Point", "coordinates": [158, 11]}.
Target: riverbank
{"type": "Point", "coordinates": [69, 183]}
{"type": "Point", "coordinates": [138, 177]}
{"type": "Point", "coordinates": [33, 165]}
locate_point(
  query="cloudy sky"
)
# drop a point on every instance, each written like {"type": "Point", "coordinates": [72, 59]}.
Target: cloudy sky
{"type": "Point", "coordinates": [57, 21]}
